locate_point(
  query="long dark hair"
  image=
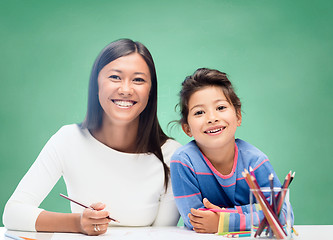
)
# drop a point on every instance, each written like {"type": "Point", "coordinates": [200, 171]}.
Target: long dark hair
{"type": "Point", "coordinates": [150, 135]}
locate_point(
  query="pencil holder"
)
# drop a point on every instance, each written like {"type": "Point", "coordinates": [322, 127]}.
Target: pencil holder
{"type": "Point", "coordinates": [270, 216]}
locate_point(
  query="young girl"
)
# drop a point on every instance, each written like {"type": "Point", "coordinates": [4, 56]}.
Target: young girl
{"type": "Point", "coordinates": [207, 172]}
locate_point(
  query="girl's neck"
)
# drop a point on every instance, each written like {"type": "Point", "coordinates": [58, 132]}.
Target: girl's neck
{"type": "Point", "coordinates": [222, 158]}
{"type": "Point", "coordinates": [118, 137]}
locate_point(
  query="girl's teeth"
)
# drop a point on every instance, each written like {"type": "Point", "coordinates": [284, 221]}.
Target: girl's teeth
{"type": "Point", "coordinates": [214, 131]}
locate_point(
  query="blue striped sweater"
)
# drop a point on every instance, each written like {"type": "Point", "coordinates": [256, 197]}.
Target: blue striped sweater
{"type": "Point", "coordinates": [194, 178]}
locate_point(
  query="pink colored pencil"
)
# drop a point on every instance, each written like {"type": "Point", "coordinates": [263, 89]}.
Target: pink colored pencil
{"type": "Point", "coordinates": [219, 210]}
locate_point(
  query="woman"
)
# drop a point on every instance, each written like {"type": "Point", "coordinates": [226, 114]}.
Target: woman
{"type": "Point", "coordinates": [116, 158]}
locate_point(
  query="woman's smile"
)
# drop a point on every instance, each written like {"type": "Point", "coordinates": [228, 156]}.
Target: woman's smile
{"type": "Point", "coordinates": [123, 103]}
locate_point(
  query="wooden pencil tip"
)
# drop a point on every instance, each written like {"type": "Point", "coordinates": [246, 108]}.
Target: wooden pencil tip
{"type": "Point", "coordinates": [271, 176]}
{"type": "Point", "coordinates": [293, 174]}
{"type": "Point", "coordinates": [251, 169]}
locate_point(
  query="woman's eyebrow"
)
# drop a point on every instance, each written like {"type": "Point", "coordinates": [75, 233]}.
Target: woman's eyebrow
{"type": "Point", "coordinates": [119, 71]}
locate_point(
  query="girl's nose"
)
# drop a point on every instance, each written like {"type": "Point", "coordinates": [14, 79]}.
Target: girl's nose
{"type": "Point", "coordinates": [211, 118]}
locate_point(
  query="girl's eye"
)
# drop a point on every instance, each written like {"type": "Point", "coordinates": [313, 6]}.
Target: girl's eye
{"type": "Point", "coordinates": [199, 112]}
{"type": "Point", "coordinates": [114, 77]}
{"type": "Point", "coordinates": [220, 108]}
{"type": "Point", "coordinates": [139, 80]}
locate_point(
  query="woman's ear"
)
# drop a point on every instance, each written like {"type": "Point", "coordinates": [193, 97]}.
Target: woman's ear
{"type": "Point", "coordinates": [186, 129]}
{"type": "Point", "coordinates": [239, 118]}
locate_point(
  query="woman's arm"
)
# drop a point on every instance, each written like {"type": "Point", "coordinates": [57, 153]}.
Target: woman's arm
{"type": "Point", "coordinates": [75, 222]}
{"type": "Point", "coordinates": [22, 209]}
{"type": "Point", "coordinates": [168, 214]}
{"type": "Point", "coordinates": [58, 222]}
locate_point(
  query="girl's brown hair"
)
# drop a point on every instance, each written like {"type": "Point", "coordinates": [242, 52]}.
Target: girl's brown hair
{"type": "Point", "coordinates": [201, 78]}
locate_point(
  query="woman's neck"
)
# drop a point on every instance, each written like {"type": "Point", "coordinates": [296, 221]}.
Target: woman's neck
{"type": "Point", "coordinates": [222, 158]}
{"type": "Point", "coordinates": [118, 137]}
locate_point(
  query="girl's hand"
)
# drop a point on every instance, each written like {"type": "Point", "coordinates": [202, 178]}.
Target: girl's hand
{"type": "Point", "coordinates": [205, 221]}
{"type": "Point", "coordinates": [94, 221]}
{"type": "Point", "coordinates": [208, 204]}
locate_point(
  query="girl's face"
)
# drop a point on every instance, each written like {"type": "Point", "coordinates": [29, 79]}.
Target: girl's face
{"type": "Point", "coordinates": [123, 89]}
{"type": "Point", "coordinates": [212, 120]}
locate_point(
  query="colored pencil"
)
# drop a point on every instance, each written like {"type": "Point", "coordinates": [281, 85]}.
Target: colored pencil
{"type": "Point", "coordinates": [13, 236]}
{"type": "Point", "coordinates": [219, 210]}
{"type": "Point", "coordinates": [267, 210]}
{"type": "Point", "coordinates": [82, 205]}
{"type": "Point", "coordinates": [273, 200]}
{"type": "Point", "coordinates": [285, 185]}
{"type": "Point", "coordinates": [28, 238]}
{"type": "Point", "coordinates": [233, 233]}
{"type": "Point", "coordinates": [238, 235]}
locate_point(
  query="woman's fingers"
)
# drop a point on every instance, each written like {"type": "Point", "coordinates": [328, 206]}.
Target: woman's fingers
{"type": "Point", "coordinates": [98, 206]}
{"type": "Point", "coordinates": [94, 221]}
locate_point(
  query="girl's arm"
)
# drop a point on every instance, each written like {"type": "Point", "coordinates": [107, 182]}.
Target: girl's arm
{"type": "Point", "coordinates": [185, 188]}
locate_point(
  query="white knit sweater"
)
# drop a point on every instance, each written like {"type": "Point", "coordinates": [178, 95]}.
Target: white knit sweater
{"type": "Point", "coordinates": [131, 185]}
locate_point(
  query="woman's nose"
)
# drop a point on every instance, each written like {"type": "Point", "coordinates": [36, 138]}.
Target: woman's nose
{"type": "Point", "coordinates": [125, 88]}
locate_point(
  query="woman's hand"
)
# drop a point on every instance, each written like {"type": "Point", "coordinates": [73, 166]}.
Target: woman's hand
{"type": "Point", "coordinates": [205, 221]}
{"type": "Point", "coordinates": [94, 221]}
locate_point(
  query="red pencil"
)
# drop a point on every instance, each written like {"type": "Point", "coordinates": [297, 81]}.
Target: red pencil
{"type": "Point", "coordinates": [267, 210]}
{"type": "Point", "coordinates": [82, 205]}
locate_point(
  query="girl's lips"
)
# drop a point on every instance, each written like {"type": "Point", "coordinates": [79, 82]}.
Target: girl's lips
{"type": "Point", "coordinates": [215, 130]}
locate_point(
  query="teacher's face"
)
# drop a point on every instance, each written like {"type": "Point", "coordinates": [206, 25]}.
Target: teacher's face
{"type": "Point", "coordinates": [123, 89]}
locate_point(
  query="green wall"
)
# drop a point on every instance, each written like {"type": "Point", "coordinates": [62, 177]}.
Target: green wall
{"type": "Point", "coordinates": [277, 53]}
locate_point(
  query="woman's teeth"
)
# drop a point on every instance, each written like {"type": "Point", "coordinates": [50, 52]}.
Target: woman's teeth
{"type": "Point", "coordinates": [124, 103]}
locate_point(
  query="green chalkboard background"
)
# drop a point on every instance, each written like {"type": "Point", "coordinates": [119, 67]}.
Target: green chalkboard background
{"type": "Point", "coordinates": [278, 54]}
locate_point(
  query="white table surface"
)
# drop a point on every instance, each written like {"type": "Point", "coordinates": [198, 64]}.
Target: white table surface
{"type": "Point", "coordinates": [306, 232]}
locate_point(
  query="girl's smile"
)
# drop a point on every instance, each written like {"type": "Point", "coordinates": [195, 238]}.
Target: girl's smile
{"type": "Point", "coordinates": [214, 130]}
{"type": "Point", "coordinates": [212, 120]}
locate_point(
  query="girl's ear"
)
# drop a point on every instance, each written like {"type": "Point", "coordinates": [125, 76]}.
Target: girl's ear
{"type": "Point", "coordinates": [186, 129]}
{"type": "Point", "coordinates": [239, 118]}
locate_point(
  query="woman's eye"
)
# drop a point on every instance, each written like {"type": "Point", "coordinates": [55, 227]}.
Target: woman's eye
{"type": "Point", "coordinates": [114, 77]}
{"type": "Point", "coordinates": [199, 112]}
{"type": "Point", "coordinates": [139, 80]}
{"type": "Point", "coordinates": [220, 108]}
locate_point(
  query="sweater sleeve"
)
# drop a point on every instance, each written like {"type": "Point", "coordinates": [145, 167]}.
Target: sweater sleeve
{"type": "Point", "coordinates": [22, 209]}
{"type": "Point", "coordinates": [185, 187]}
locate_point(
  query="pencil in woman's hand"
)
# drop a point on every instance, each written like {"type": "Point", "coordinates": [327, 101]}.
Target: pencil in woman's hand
{"type": "Point", "coordinates": [82, 205]}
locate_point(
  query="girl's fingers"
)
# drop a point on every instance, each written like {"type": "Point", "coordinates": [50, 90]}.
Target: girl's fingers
{"type": "Point", "coordinates": [199, 230]}
{"type": "Point", "coordinates": [197, 213]}
{"type": "Point", "coordinates": [208, 204]}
